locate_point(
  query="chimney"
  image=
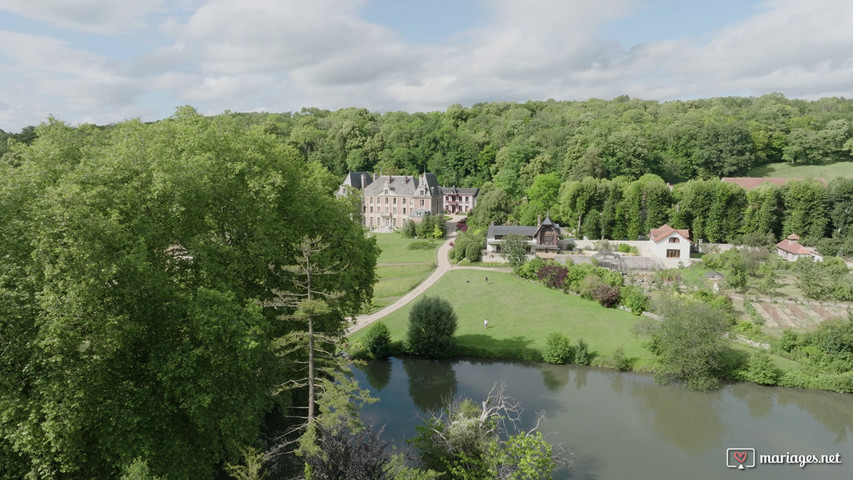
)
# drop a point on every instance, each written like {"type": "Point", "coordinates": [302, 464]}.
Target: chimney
{"type": "Point", "coordinates": [406, 179]}
{"type": "Point", "coordinates": [539, 220]}
{"type": "Point", "coordinates": [363, 179]}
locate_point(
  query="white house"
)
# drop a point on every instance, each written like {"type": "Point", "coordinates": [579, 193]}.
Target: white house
{"type": "Point", "coordinates": [790, 249]}
{"type": "Point", "coordinates": [670, 245]}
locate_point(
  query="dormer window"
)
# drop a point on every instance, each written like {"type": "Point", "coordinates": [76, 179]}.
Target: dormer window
{"type": "Point", "coordinates": [673, 240]}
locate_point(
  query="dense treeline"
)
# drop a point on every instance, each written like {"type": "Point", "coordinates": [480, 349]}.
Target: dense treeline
{"type": "Point", "coordinates": [134, 263]}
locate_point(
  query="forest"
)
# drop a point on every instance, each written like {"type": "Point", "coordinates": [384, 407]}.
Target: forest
{"type": "Point", "coordinates": [142, 272]}
{"type": "Point", "coordinates": [148, 268]}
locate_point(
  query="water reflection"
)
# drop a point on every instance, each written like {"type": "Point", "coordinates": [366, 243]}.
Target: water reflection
{"type": "Point", "coordinates": [623, 425]}
{"type": "Point", "coordinates": [555, 377]}
{"type": "Point", "coordinates": [759, 400]}
{"type": "Point", "coordinates": [580, 377]}
{"type": "Point", "coordinates": [669, 409]}
{"type": "Point", "coordinates": [378, 373]}
{"type": "Point", "coordinates": [832, 410]}
{"type": "Point", "coordinates": [431, 382]}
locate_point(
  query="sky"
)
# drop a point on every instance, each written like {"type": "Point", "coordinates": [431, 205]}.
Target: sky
{"type": "Point", "coordinates": [104, 61]}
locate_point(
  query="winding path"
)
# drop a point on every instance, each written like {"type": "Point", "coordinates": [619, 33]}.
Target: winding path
{"type": "Point", "coordinates": [443, 267]}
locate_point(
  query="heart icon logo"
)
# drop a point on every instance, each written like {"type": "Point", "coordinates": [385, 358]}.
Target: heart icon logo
{"type": "Point", "coordinates": [740, 456]}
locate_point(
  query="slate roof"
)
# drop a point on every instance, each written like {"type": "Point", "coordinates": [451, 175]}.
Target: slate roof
{"type": "Point", "coordinates": [658, 234]}
{"type": "Point", "coordinates": [404, 185]}
{"type": "Point", "coordinates": [459, 191]}
{"type": "Point", "coordinates": [353, 179]}
{"type": "Point", "coordinates": [504, 230]}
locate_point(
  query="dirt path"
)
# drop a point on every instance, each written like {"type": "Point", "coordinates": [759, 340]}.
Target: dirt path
{"type": "Point", "coordinates": [443, 267]}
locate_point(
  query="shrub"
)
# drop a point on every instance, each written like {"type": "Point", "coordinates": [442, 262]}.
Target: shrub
{"type": "Point", "coordinates": [552, 274]}
{"type": "Point", "coordinates": [558, 350]}
{"type": "Point", "coordinates": [472, 252]}
{"type": "Point", "coordinates": [634, 299]}
{"type": "Point", "coordinates": [606, 295]}
{"type": "Point", "coordinates": [789, 341]}
{"type": "Point", "coordinates": [421, 245]}
{"type": "Point", "coordinates": [529, 268]}
{"type": "Point", "coordinates": [378, 339]}
{"type": "Point", "coordinates": [582, 355]}
{"type": "Point", "coordinates": [620, 361]}
{"type": "Point", "coordinates": [432, 323]}
{"type": "Point", "coordinates": [409, 230]}
{"type": "Point", "coordinates": [761, 369]}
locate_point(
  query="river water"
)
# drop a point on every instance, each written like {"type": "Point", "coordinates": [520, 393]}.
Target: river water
{"type": "Point", "coordinates": [624, 425]}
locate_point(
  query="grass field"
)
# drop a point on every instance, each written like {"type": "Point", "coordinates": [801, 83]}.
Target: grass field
{"type": "Point", "coordinates": [395, 250]}
{"type": "Point", "coordinates": [396, 280]}
{"type": "Point", "coordinates": [399, 269]}
{"type": "Point", "coordinates": [521, 314]}
{"type": "Point", "coordinates": [786, 170]}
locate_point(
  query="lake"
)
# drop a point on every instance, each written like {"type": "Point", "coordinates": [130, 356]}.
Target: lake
{"type": "Point", "coordinates": [624, 425]}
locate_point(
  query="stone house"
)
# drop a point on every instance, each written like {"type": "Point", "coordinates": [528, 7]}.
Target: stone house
{"type": "Point", "coordinates": [670, 244]}
{"type": "Point", "coordinates": [543, 238]}
{"type": "Point", "coordinates": [459, 200]}
{"type": "Point", "coordinates": [791, 250]}
{"type": "Point", "coordinates": [388, 201]}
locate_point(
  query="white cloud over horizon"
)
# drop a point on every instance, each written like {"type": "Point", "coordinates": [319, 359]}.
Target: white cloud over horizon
{"type": "Point", "coordinates": [102, 61]}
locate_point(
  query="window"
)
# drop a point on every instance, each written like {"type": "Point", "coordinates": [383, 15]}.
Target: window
{"type": "Point", "coordinates": [673, 239]}
{"type": "Point", "coordinates": [386, 209]}
{"type": "Point", "coordinates": [395, 201]}
{"type": "Point", "coordinates": [422, 203]}
{"type": "Point", "coordinates": [404, 210]}
{"type": "Point", "coordinates": [673, 253]}
{"type": "Point", "coordinates": [371, 209]}
{"type": "Point", "coordinates": [371, 199]}
{"type": "Point", "coordinates": [395, 210]}
{"type": "Point", "coordinates": [386, 200]}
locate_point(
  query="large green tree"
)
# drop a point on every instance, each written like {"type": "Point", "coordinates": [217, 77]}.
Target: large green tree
{"type": "Point", "coordinates": [688, 341]}
{"type": "Point", "coordinates": [134, 266]}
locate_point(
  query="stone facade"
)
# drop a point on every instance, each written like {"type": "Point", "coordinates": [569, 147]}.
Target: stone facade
{"type": "Point", "coordinates": [459, 200]}
{"type": "Point", "coordinates": [388, 201]}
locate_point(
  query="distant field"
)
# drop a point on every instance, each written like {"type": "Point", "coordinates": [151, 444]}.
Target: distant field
{"type": "Point", "coordinates": [395, 250]}
{"type": "Point", "coordinates": [521, 314]}
{"type": "Point", "coordinates": [786, 170]}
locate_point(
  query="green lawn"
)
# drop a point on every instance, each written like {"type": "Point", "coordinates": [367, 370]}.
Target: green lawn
{"type": "Point", "coordinates": [521, 314]}
{"type": "Point", "coordinates": [399, 269]}
{"type": "Point", "coordinates": [394, 249]}
{"type": "Point", "coordinates": [395, 281]}
{"type": "Point", "coordinates": [786, 170]}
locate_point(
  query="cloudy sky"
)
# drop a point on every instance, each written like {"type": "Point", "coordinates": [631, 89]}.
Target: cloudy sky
{"type": "Point", "coordinates": [103, 61]}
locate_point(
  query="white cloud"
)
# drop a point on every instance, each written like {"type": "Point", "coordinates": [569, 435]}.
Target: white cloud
{"type": "Point", "coordinates": [284, 54]}
{"type": "Point", "coordinates": [90, 16]}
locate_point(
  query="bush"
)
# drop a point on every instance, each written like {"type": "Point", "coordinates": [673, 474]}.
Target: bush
{"type": "Point", "coordinates": [409, 230]}
{"type": "Point", "coordinates": [421, 245]}
{"type": "Point", "coordinates": [432, 324]}
{"type": "Point", "coordinates": [529, 268]}
{"type": "Point", "coordinates": [606, 295]}
{"type": "Point", "coordinates": [582, 355]}
{"type": "Point", "coordinates": [552, 275]}
{"type": "Point", "coordinates": [620, 361]}
{"type": "Point", "coordinates": [634, 299]}
{"type": "Point", "coordinates": [761, 369]}
{"type": "Point", "coordinates": [558, 350]}
{"type": "Point", "coordinates": [472, 252]}
{"type": "Point", "coordinates": [789, 340]}
{"type": "Point", "coordinates": [378, 340]}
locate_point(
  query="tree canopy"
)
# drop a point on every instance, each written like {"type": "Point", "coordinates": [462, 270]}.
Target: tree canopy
{"type": "Point", "coordinates": [135, 261]}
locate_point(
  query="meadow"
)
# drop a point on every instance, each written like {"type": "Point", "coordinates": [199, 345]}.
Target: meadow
{"type": "Point", "coordinates": [521, 314]}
